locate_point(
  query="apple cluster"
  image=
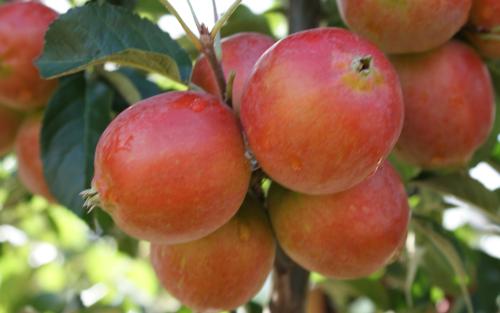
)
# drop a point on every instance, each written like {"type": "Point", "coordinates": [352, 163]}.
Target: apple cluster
{"type": "Point", "coordinates": [23, 94]}
{"type": "Point", "coordinates": [319, 112]}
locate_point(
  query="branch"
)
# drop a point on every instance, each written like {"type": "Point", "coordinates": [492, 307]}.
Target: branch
{"type": "Point", "coordinates": [290, 285]}
{"type": "Point", "coordinates": [303, 14]}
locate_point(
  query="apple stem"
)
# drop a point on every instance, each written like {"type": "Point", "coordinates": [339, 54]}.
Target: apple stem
{"type": "Point", "coordinates": [207, 48]}
{"type": "Point", "coordinates": [122, 84]}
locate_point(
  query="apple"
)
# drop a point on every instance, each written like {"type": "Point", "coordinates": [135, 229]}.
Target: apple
{"type": "Point", "coordinates": [29, 159]}
{"type": "Point", "coordinates": [222, 270]}
{"type": "Point", "coordinates": [449, 105]}
{"type": "Point", "coordinates": [484, 27]}
{"type": "Point", "coordinates": [240, 52]}
{"type": "Point", "coordinates": [321, 110]}
{"type": "Point", "coordinates": [22, 29]}
{"type": "Point", "coordinates": [10, 121]}
{"type": "Point", "coordinates": [344, 235]}
{"type": "Point", "coordinates": [407, 26]}
{"type": "Point", "coordinates": [171, 168]}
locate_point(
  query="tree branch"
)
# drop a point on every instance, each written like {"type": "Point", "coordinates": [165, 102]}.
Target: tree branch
{"type": "Point", "coordinates": [290, 285]}
{"type": "Point", "coordinates": [303, 14]}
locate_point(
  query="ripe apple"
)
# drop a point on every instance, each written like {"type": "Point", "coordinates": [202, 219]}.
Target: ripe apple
{"type": "Point", "coordinates": [223, 270]}
{"type": "Point", "coordinates": [343, 235]}
{"type": "Point", "coordinates": [405, 26]}
{"type": "Point", "coordinates": [239, 54]}
{"type": "Point", "coordinates": [172, 168]}
{"type": "Point", "coordinates": [449, 105]}
{"type": "Point", "coordinates": [10, 121]}
{"type": "Point", "coordinates": [29, 159]}
{"type": "Point", "coordinates": [22, 29]}
{"type": "Point", "coordinates": [484, 27]}
{"type": "Point", "coordinates": [321, 110]}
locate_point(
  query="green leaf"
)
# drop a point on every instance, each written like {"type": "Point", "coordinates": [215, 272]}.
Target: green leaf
{"type": "Point", "coordinates": [152, 8]}
{"type": "Point", "coordinates": [464, 188]}
{"type": "Point", "coordinates": [435, 237]}
{"type": "Point", "coordinates": [406, 171]}
{"type": "Point", "coordinates": [244, 20]}
{"type": "Point", "coordinates": [487, 149]}
{"type": "Point", "coordinates": [99, 33]}
{"type": "Point", "coordinates": [488, 276]}
{"type": "Point", "coordinates": [74, 119]}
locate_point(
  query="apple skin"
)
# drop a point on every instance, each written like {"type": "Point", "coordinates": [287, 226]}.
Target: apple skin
{"type": "Point", "coordinates": [171, 168]}
{"type": "Point", "coordinates": [405, 26]}
{"type": "Point", "coordinates": [316, 121]}
{"type": "Point", "coordinates": [10, 121]}
{"type": "Point", "coordinates": [22, 29]}
{"type": "Point", "coordinates": [484, 21]}
{"type": "Point", "coordinates": [344, 235]}
{"type": "Point", "coordinates": [240, 52]}
{"type": "Point", "coordinates": [449, 105]}
{"type": "Point", "coordinates": [222, 270]}
{"type": "Point", "coordinates": [29, 157]}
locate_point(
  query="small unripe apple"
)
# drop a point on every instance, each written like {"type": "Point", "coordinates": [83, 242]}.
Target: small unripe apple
{"type": "Point", "coordinates": [240, 52]}
{"type": "Point", "coordinates": [484, 27]}
{"type": "Point", "coordinates": [344, 235]}
{"type": "Point", "coordinates": [321, 110]}
{"type": "Point", "coordinates": [405, 26]}
{"type": "Point", "coordinates": [10, 121]}
{"type": "Point", "coordinates": [449, 105]}
{"type": "Point", "coordinates": [172, 168]}
{"type": "Point", "coordinates": [223, 270]}
{"type": "Point", "coordinates": [29, 157]}
{"type": "Point", "coordinates": [22, 29]}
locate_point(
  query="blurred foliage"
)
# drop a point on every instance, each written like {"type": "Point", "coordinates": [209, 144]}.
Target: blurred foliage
{"type": "Point", "coordinates": [52, 260]}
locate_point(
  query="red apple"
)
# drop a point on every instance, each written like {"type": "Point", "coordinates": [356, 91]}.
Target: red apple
{"type": "Point", "coordinates": [239, 54]}
{"type": "Point", "coordinates": [484, 27]}
{"type": "Point", "coordinates": [449, 105]}
{"type": "Point", "coordinates": [223, 270]}
{"type": "Point", "coordinates": [171, 168]}
{"type": "Point", "coordinates": [405, 26]}
{"type": "Point", "coordinates": [321, 110]}
{"type": "Point", "coordinates": [22, 29]}
{"type": "Point", "coordinates": [343, 235]}
{"type": "Point", "coordinates": [29, 159]}
{"type": "Point", "coordinates": [9, 123]}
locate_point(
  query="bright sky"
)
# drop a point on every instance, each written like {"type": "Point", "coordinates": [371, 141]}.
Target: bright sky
{"type": "Point", "coordinates": [203, 9]}
{"type": "Point", "coordinates": [204, 12]}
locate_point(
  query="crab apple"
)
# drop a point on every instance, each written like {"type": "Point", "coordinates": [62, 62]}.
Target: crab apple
{"type": "Point", "coordinates": [9, 123]}
{"type": "Point", "coordinates": [222, 270]}
{"type": "Point", "coordinates": [172, 168]}
{"type": "Point", "coordinates": [449, 103]}
{"type": "Point", "coordinates": [405, 26]}
{"type": "Point", "coordinates": [239, 54]}
{"type": "Point", "coordinates": [22, 29]}
{"type": "Point", "coordinates": [321, 110]}
{"type": "Point", "coordinates": [484, 27]}
{"type": "Point", "coordinates": [29, 159]}
{"type": "Point", "coordinates": [343, 235]}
